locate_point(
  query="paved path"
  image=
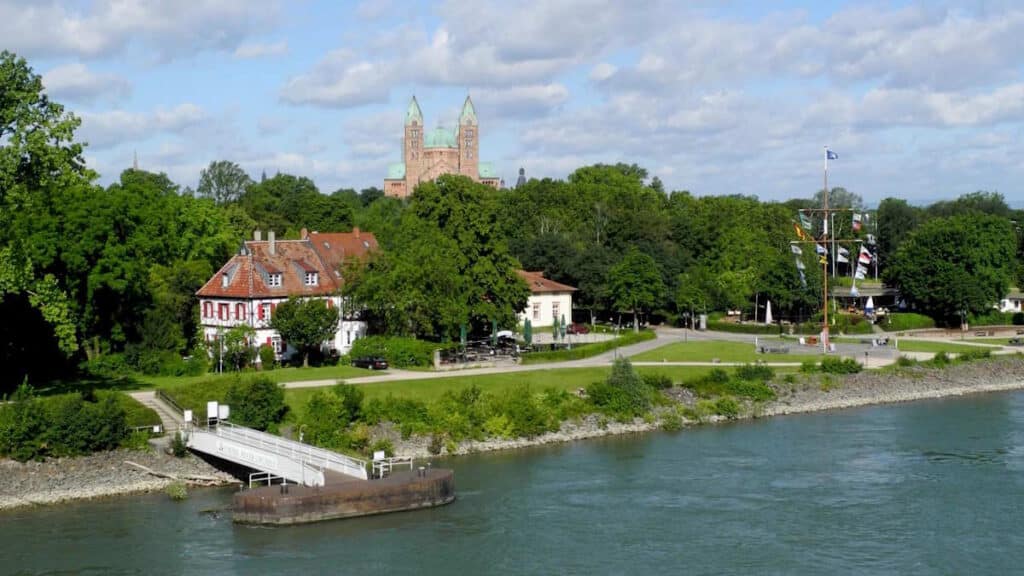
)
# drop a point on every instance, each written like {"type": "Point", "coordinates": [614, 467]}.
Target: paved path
{"type": "Point", "coordinates": [171, 420]}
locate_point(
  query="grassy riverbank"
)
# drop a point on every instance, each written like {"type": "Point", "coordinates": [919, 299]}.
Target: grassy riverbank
{"type": "Point", "coordinates": [724, 351]}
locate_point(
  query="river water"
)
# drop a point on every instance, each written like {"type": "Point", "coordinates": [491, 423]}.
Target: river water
{"type": "Point", "coordinates": [933, 487]}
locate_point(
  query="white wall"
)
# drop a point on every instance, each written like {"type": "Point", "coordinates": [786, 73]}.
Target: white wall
{"type": "Point", "coordinates": [546, 301]}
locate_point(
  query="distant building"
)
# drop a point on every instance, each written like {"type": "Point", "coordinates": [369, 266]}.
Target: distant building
{"type": "Point", "coordinates": [429, 154]}
{"type": "Point", "coordinates": [264, 273]}
{"type": "Point", "coordinates": [1012, 302]}
{"type": "Point", "coordinates": [521, 181]}
{"type": "Point", "coordinates": [548, 300]}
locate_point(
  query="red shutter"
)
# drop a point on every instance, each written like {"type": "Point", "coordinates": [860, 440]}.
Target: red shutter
{"type": "Point", "coordinates": [269, 342]}
{"type": "Point", "coordinates": [240, 311]}
{"type": "Point", "coordinates": [329, 303]}
{"type": "Point", "coordinates": [259, 311]}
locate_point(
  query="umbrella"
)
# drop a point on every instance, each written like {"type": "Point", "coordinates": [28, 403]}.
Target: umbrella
{"type": "Point", "coordinates": [462, 335]}
{"type": "Point", "coordinates": [562, 327]}
{"type": "Point", "coordinates": [869, 306]}
{"type": "Point", "coordinates": [554, 328]}
{"type": "Point", "coordinates": [494, 333]}
{"type": "Point", "coordinates": [768, 313]}
{"type": "Point", "coordinates": [528, 332]}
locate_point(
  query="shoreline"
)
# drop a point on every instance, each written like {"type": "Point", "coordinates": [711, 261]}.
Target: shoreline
{"type": "Point", "coordinates": [106, 474]}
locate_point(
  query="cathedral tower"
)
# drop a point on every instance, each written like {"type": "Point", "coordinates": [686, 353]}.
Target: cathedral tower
{"type": "Point", "coordinates": [413, 146]}
{"type": "Point", "coordinates": [469, 141]}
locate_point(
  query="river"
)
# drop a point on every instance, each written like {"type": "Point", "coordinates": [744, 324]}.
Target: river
{"type": "Point", "coordinates": [932, 487]}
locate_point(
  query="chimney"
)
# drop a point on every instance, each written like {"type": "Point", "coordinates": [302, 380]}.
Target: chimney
{"type": "Point", "coordinates": [355, 230]}
{"type": "Point", "coordinates": [304, 234]}
{"type": "Point", "coordinates": [272, 249]}
{"type": "Point", "coordinates": [257, 235]}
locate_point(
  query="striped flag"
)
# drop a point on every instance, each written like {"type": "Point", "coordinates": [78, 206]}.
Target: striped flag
{"type": "Point", "coordinates": [865, 256]}
{"type": "Point", "coordinates": [856, 222]}
{"type": "Point", "coordinates": [861, 272]}
{"type": "Point", "coordinates": [805, 222]}
{"type": "Point", "coordinates": [844, 256]}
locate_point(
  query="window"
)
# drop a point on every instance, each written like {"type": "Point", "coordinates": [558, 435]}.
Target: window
{"type": "Point", "coordinates": [278, 347]}
{"type": "Point", "coordinates": [274, 280]}
{"type": "Point", "coordinates": [265, 311]}
{"type": "Point", "coordinates": [554, 310]}
{"type": "Point", "coordinates": [240, 311]}
{"type": "Point", "coordinates": [207, 309]}
{"type": "Point", "coordinates": [536, 310]}
{"type": "Point", "coordinates": [312, 278]}
{"type": "Point", "coordinates": [224, 312]}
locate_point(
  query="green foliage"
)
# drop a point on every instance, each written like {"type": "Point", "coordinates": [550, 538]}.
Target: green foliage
{"type": "Point", "coordinates": [177, 491]}
{"type": "Point", "coordinates": [902, 321]}
{"type": "Point", "coordinates": [718, 382]}
{"type": "Point", "coordinates": [635, 284]}
{"type": "Point", "coordinates": [657, 381]}
{"type": "Point", "coordinates": [939, 360]}
{"type": "Point", "coordinates": [267, 357]}
{"type": "Point", "coordinates": [905, 361]}
{"type": "Point", "coordinates": [728, 407]}
{"type": "Point", "coordinates": [972, 355]}
{"type": "Point", "coordinates": [742, 328]}
{"type": "Point", "coordinates": [399, 351]}
{"type": "Point", "coordinates": [178, 446]}
{"type": "Point", "coordinates": [65, 425]}
{"type": "Point", "coordinates": [1018, 319]}
{"type": "Point", "coordinates": [990, 317]}
{"type": "Point", "coordinates": [671, 421]}
{"type": "Point", "coordinates": [137, 440]}
{"type": "Point", "coordinates": [835, 365]}
{"type": "Point", "coordinates": [850, 324]}
{"type": "Point", "coordinates": [305, 324]}
{"type": "Point", "coordinates": [382, 445]}
{"type": "Point", "coordinates": [755, 372]}
{"type": "Point", "coordinates": [257, 402]}
{"type": "Point", "coordinates": [222, 181]}
{"type": "Point", "coordinates": [581, 351]}
{"type": "Point", "coordinates": [624, 395]}
{"type": "Point", "coordinates": [960, 263]}
{"type": "Point", "coordinates": [810, 366]}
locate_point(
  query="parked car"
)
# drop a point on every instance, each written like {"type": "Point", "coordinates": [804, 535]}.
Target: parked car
{"type": "Point", "coordinates": [578, 329]}
{"type": "Point", "coordinates": [370, 363]}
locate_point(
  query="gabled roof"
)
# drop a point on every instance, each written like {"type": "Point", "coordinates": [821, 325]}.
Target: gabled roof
{"type": "Point", "coordinates": [413, 113]}
{"type": "Point", "coordinates": [468, 115]}
{"type": "Point", "coordinates": [248, 272]}
{"type": "Point", "coordinates": [541, 285]}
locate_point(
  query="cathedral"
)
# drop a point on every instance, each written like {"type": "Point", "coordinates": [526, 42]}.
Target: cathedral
{"type": "Point", "coordinates": [428, 155]}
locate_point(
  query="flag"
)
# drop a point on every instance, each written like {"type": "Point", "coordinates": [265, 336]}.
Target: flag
{"type": "Point", "coordinates": [805, 222]}
{"type": "Point", "coordinates": [861, 272]}
{"type": "Point", "coordinates": [870, 240]}
{"type": "Point", "coordinates": [799, 231]}
{"type": "Point", "coordinates": [843, 251]}
{"type": "Point", "coordinates": [856, 222]}
{"type": "Point", "coordinates": [830, 155]}
{"type": "Point", "coordinates": [799, 264]}
{"type": "Point", "coordinates": [865, 256]}
{"type": "Point", "coordinates": [796, 249]}
{"type": "Point", "coordinates": [843, 257]}
{"type": "Point", "coordinates": [803, 279]}
{"type": "Point", "coordinates": [823, 259]}
{"type": "Point", "coordinates": [820, 249]}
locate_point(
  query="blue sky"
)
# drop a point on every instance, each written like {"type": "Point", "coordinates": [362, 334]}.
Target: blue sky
{"type": "Point", "coordinates": [921, 100]}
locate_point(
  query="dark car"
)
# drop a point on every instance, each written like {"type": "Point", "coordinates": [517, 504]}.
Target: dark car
{"type": "Point", "coordinates": [578, 329]}
{"type": "Point", "coordinates": [374, 363]}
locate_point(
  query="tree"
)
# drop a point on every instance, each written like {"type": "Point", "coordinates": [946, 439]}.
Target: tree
{"type": "Point", "coordinates": [238, 346]}
{"type": "Point", "coordinates": [953, 265]}
{"type": "Point", "coordinates": [634, 284]}
{"type": "Point", "coordinates": [305, 324]}
{"type": "Point", "coordinates": [895, 219]}
{"type": "Point", "coordinates": [223, 181]}
{"type": "Point", "coordinates": [839, 198]}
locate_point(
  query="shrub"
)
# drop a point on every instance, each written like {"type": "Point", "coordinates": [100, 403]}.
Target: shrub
{"type": "Point", "coordinates": [727, 406]}
{"type": "Point", "coordinates": [624, 394]}
{"type": "Point", "coordinates": [719, 383]}
{"type": "Point", "coordinates": [384, 445]}
{"type": "Point", "coordinates": [671, 421]}
{"type": "Point", "coordinates": [991, 318]}
{"type": "Point", "coordinates": [400, 352]}
{"type": "Point", "coordinates": [325, 421]}
{"type": "Point", "coordinates": [1018, 319]}
{"type": "Point", "coordinates": [743, 328]}
{"type": "Point", "coordinates": [940, 359]}
{"type": "Point", "coordinates": [526, 415]}
{"type": "Point", "coordinates": [267, 356]}
{"type": "Point", "coordinates": [657, 381]}
{"type": "Point", "coordinates": [905, 361]}
{"type": "Point", "coordinates": [834, 365]}
{"type": "Point", "coordinates": [972, 355]}
{"type": "Point", "coordinates": [900, 321]}
{"type": "Point", "coordinates": [138, 440]}
{"type": "Point", "coordinates": [256, 403]}
{"type": "Point", "coordinates": [436, 444]}
{"type": "Point", "coordinates": [498, 426]}
{"type": "Point", "coordinates": [755, 372]}
{"type": "Point", "coordinates": [178, 447]}
{"type": "Point", "coordinates": [177, 491]}
{"type": "Point", "coordinates": [411, 415]}
{"type": "Point", "coordinates": [809, 366]}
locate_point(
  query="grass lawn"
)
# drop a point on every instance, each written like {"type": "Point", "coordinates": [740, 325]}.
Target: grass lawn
{"type": "Point", "coordinates": [277, 375]}
{"type": "Point", "coordinates": [928, 346]}
{"type": "Point", "coordinates": [429, 389]}
{"type": "Point", "coordinates": [705, 350]}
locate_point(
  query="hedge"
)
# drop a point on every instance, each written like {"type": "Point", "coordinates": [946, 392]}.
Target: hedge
{"type": "Point", "coordinates": [400, 352]}
{"type": "Point", "coordinates": [581, 351]}
{"type": "Point", "coordinates": [743, 328]}
{"type": "Point", "coordinates": [901, 321]}
{"type": "Point", "coordinates": [257, 402]}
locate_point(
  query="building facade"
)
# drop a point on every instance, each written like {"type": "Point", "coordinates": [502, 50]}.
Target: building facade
{"type": "Point", "coordinates": [429, 154]}
{"type": "Point", "coordinates": [548, 300]}
{"type": "Point", "coordinates": [265, 273]}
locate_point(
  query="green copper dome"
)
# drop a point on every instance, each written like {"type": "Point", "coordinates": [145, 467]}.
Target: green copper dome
{"type": "Point", "coordinates": [440, 138]}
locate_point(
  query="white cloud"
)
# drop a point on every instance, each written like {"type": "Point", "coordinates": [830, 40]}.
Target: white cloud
{"type": "Point", "coordinates": [521, 101]}
{"type": "Point", "coordinates": [76, 82]}
{"type": "Point", "coordinates": [256, 50]}
{"type": "Point", "coordinates": [51, 28]}
{"type": "Point", "coordinates": [108, 129]}
{"type": "Point", "coordinates": [341, 80]}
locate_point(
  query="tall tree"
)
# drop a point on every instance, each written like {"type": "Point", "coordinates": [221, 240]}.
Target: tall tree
{"type": "Point", "coordinates": [305, 324]}
{"type": "Point", "coordinates": [839, 197]}
{"type": "Point", "coordinates": [224, 181]}
{"type": "Point", "coordinates": [635, 285]}
{"type": "Point", "coordinates": [953, 265]}
{"type": "Point", "coordinates": [895, 219]}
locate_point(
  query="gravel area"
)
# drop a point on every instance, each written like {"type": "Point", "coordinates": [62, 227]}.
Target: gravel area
{"type": "Point", "coordinates": [102, 474]}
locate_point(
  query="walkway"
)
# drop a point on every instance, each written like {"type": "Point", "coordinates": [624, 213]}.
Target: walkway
{"type": "Point", "coordinates": [169, 418]}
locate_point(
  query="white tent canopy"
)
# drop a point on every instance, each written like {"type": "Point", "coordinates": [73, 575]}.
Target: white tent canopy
{"type": "Point", "coordinates": [768, 313]}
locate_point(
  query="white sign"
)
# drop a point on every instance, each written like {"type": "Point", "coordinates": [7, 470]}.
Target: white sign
{"type": "Point", "coordinates": [223, 411]}
{"type": "Point", "coordinates": [378, 455]}
{"type": "Point", "coordinates": [212, 409]}
{"type": "Point", "coordinates": [188, 415]}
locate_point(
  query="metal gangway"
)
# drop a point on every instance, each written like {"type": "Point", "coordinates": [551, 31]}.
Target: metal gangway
{"type": "Point", "coordinates": [271, 455]}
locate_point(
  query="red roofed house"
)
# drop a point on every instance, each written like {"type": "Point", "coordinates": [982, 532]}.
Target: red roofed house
{"type": "Point", "coordinates": [548, 300]}
{"type": "Point", "coordinates": [263, 274]}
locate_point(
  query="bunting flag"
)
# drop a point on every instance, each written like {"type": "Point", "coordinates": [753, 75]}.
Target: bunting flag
{"type": "Point", "coordinates": [861, 272]}
{"type": "Point", "coordinates": [805, 222]}
{"type": "Point", "coordinates": [796, 250]}
{"type": "Point", "coordinates": [799, 264]}
{"type": "Point", "coordinates": [856, 222]}
{"type": "Point", "coordinates": [820, 249]}
{"type": "Point", "coordinates": [803, 279]}
{"type": "Point", "coordinates": [822, 259]}
{"type": "Point", "coordinates": [799, 231]}
{"type": "Point", "coordinates": [870, 241]}
{"type": "Point", "coordinates": [843, 257]}
{"type": "Point", "coordinates": [865, 256]}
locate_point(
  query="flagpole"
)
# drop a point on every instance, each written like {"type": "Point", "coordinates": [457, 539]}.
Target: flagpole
{"type": "Point", "coordinates": [824, 300]}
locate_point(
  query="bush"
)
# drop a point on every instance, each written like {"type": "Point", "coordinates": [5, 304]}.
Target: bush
{"type": "Point", "coordinates": [657, 381]}
{"type": "Point", "coordinates": [901, 321]}
{"type": "Point", "coordinates": [177, 491]}
{"type": "Point", "coordinates": [833, 365]}
{"type": "Point", "coordinates": [940, 359]}
{"type": "Point", "coordinates": [178, 447]}
{"type": "Point", "coordinates": [727, 406]}
{"type": "Point", "coordinates": [991, 318]}
{"type": "Point", "coordinates": [972, 355]}
{"type": "Point", "coordinates": [671, 421]}
{"type": "Point", "coordinates": [581, 351]}
{"type": "Point", "coordinates": [743, 328]}
{"type": "Point", "coordinates": [905, 361]}
{"type": "Point", "coordinates": [809, 366]}
{"type": "Point", "coordinates": [623, 395]}
{"type": "Point", "coordinates": [851, 324]}
{"type": "Point", "coordinates": [138, 440]}
{"type": "Point", "coordinates": [755, 372]}
{"type": "Point", "coordinates": [256, 403]}
{"type": "Point", "coordinates": [1018, 319]}
{"type": "Point", "coordinates": [325, 421]}
{"type": "Point", "coordinates": [719, 383]}
{"type": "Point", "coordinates": [436, 444]}
{"type": "Point", "coordinates": [384, 445]}
{"type": "Point", "coordinates": [267, 356]}
{"type": "Point", "coordinates": [400, 352]}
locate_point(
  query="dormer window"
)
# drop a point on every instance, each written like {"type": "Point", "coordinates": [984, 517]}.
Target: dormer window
{"type": "Point", "coordinates": [312, 278]}
{"type": "Point", "coordinates": [224, 280]}
{"type": "Point", "coordinates": [274, 280]}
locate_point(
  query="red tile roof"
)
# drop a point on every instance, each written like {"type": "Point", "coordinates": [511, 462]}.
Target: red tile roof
{"type": "Point", "coordinates": [539, 284]}
{"type": "Point", "coordinates": [248, 272]}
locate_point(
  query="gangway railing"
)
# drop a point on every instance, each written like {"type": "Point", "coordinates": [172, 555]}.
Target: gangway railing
{"type": "Point", "coordinates": [382, 468]}
{"type": "Point", "coordinates": [308, 457]}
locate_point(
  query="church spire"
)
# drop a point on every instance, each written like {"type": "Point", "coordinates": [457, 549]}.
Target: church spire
{"type": "Point", "coordinates": [468, 115]}
{"type": "Point", "coordinates": [414, 113]}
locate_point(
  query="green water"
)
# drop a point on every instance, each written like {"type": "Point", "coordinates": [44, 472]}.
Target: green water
{"type": "Point", "coordinates": [927, 488]}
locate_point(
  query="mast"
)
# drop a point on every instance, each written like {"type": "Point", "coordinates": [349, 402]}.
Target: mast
{"type": "Point", "coordinates": [824, 300]}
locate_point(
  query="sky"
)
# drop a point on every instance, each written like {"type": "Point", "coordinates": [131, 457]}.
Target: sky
{"type": "Point", "coordinates": [920, 100]}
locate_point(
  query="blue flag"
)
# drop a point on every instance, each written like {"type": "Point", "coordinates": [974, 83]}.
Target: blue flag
{"type": "Point", "coordinates": [830, 155]}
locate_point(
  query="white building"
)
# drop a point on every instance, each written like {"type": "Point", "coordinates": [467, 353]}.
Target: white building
{"type": "Point", "coordinates": [247, 289]}
{"type": "Point", "coordinates": [1012, 302]}
{"type": "Point", "coordinates": [548, 300]}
